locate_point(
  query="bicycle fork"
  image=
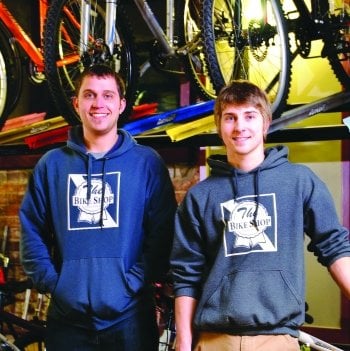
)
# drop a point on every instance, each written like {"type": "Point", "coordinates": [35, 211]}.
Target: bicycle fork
{"type": "Point", "coordinates": [103, 49]}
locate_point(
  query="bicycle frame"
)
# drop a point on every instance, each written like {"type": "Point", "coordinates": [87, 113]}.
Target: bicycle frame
{"type": "Point", "coordinates": [33, 52]}
{"type": "Point", "coordinates": [303, 11]}
{"type": "Point", "coordinates": [22, 38]}
{"type": "Point", "coordinates": [166, 39]}
{"type": "Point", "coordinates": [311, 19]}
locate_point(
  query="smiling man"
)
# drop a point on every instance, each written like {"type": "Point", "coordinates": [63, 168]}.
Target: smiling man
{"type": "Point", "coordinates": [99, 103]}
{"type": "Point", "coordinates": [237, 258]}
{"type": "Point", "coordinates": [97, 228]}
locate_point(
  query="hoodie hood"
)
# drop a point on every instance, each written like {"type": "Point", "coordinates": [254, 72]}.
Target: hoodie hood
{"type": "Point", "coordinates": [274, 157]}
{"type": "Point", "coordinates": [76, 142]}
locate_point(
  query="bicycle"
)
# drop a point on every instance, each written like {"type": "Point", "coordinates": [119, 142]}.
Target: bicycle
{"type": "Point", "coordinates": [77, 33]}
{"type": "Point", "coordinates": [16, 333]}
{"type": "Point", "coordinates": [82, 33]}
{"type": "Point", "coordinates": [13, 38]}
{"type": "Point", "coordinates": [260, 43]}
{"type": "Point", "coordinates": [309, 342]}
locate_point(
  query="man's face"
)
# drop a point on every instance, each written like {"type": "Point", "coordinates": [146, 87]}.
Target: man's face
{"type": "Point", "coordinates": [99, 105]}
{"type": "Point", "coordinates": [242, 130]}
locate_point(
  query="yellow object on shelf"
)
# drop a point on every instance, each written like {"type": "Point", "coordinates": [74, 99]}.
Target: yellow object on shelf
{"type": "Point", "coordinates": [186, 130]}
{"type": "Point", "coordinates": [18, 134]}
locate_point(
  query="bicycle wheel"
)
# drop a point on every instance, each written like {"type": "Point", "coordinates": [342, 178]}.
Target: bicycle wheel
{"type": "Point", "coordinates": [3, 88]}
{"type": "Point", "coordinates": [65, 57]}
{"type": "Point", "coordinates": [248, 40]}
{"type": "Point", "coordinates": [190, 38]}
{"type": "Point", "coordinates": [337, 42]}
{"type": "Point", "coordinates": [10, 75]}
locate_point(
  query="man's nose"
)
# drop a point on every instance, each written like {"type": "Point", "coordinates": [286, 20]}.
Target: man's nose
{"type": "Point", "coordinates": [239, 124]}
{"type": "Point", "coordinates": [98, 101]}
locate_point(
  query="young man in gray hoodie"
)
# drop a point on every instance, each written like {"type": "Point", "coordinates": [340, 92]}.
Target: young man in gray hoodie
{"type": "Point", "coordinates": [238, 253]}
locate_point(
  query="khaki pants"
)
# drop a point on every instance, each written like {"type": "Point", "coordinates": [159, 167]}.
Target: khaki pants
{"type": "Point", "coordinates": [225, 342]}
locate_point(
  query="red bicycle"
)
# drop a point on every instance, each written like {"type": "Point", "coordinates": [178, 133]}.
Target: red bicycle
{"type": "Point", "coordinates": [12, 38]}
{"type": "Point", "coordinates": [77, 33]}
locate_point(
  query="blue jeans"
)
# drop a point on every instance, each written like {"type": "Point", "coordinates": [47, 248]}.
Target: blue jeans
{"type": "Point", "coordinates": [137, 333]}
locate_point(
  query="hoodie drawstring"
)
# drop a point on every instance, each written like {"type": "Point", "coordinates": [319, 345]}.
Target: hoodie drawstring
{"type": "Point", "coordinates": [103, 191]}
{"type": "Point", "coordinates": [89, 185]}
{"type": "Point", "coordinates": [234, 183]}
{"type": "Point", "coordinates": [257, 193]}
{"type": "Point", "coordinates": [235, 187]}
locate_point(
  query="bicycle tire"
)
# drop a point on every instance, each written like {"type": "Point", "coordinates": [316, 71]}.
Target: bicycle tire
{"type": "Point", "coordinates": [240, 47]}
{"type": "Point", "coordinates": [195, 66]}
{"type": "Point", "coordinates": [337, 44]}
{"type": "Point", "coordinates": [61, 42]}
{"type": "Point", "coordinates": [10, 75]}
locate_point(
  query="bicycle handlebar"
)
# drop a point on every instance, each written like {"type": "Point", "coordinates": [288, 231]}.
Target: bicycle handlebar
{"type": "Point", "coordinates": [316, 343]}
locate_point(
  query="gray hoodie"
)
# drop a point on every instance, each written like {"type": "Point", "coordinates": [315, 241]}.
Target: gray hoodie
{"type": "Point", "coordinates": [239, 244]}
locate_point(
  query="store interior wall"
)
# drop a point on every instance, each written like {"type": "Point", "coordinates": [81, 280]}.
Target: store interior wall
{"type": "Point", "coordinates": [312, 79]}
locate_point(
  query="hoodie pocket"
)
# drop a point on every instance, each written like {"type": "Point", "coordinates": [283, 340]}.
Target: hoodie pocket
{"type": "Point", "coordinates": [97, 286]}
{"type": "Point", "coordinates": [252, 299]}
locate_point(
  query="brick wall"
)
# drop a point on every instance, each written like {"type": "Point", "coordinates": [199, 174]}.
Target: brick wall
{"type": "Point", "coordinates": [12, 187]}
{"type": "Point", "coordinates": [13, 184]}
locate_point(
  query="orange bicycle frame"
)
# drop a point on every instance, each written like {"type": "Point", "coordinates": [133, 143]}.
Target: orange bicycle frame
{"type": "Point", "coordinates": [21, 37]}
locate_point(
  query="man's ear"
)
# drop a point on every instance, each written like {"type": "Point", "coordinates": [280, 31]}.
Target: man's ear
{"type": "Point", "coordinates": [266, 128]}
{"type": "Point", "coordinates": [122, 105]}
{"type": "Point", "coordinates": [75, 103]}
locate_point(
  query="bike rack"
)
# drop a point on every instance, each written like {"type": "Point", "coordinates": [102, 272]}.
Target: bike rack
{"type": "Point", "coordinates": [161, 121]}
{"type": "Point", "coordinates": [277, 132]}
{"type": "Point", "coordinates": [199, 135]}
{"type": "Point", "coordinates": [308, 110]}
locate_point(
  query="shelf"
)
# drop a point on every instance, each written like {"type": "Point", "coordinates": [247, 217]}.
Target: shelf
{"type": "Point", "coordinates": [279, 131]}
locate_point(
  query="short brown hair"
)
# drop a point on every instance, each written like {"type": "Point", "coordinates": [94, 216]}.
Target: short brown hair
{"type": "Point", "coordinates": [242, 92]}
{"type": "Point", "coordinates": [101, 70]}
